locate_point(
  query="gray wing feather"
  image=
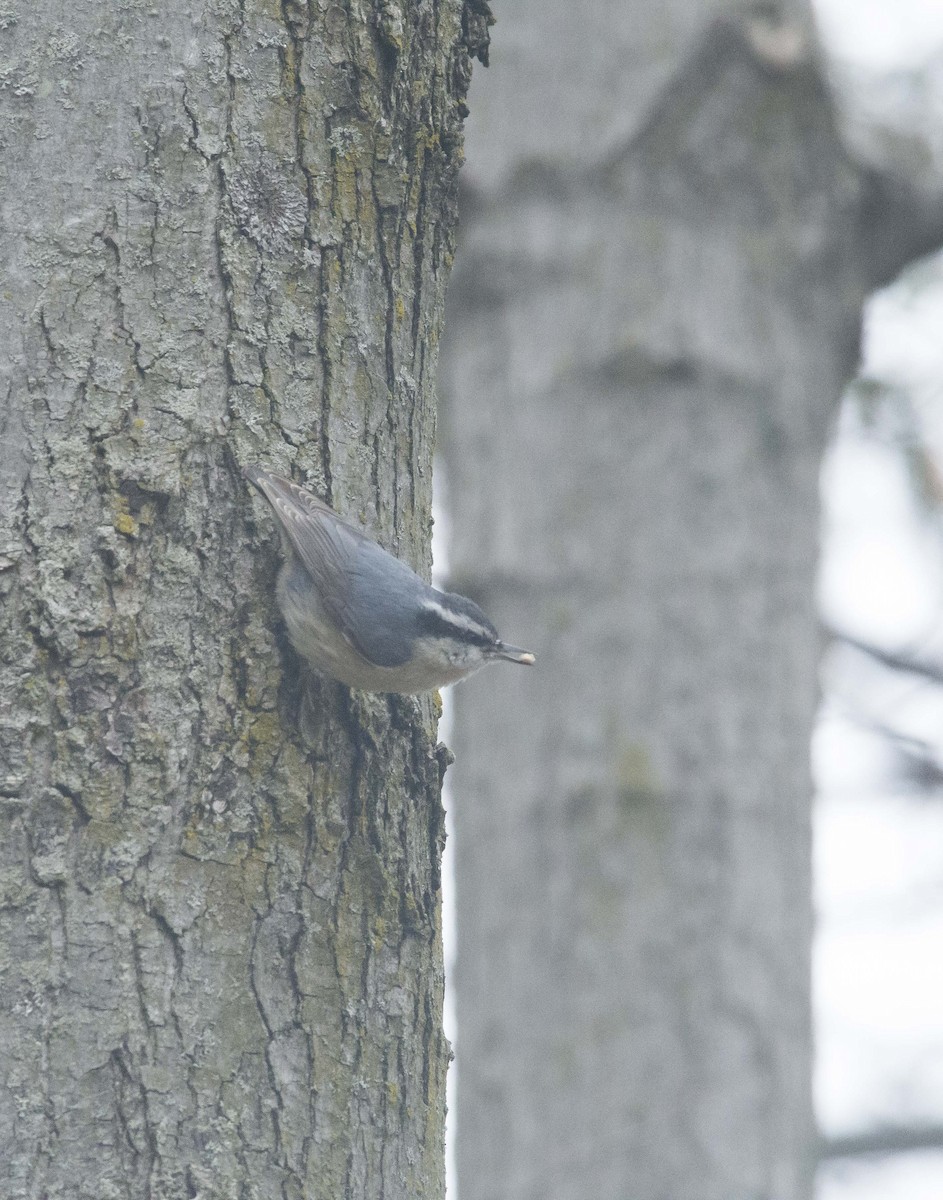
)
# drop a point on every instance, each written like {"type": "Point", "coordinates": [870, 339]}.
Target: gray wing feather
{"type": "Point", "coordinates": [382, 606]}
{"type": "Point", "coordinates": [362, 587]}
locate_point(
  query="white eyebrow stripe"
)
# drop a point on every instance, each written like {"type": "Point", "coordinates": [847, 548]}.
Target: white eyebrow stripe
{"type": "Point", "coordinates": [458, 620]}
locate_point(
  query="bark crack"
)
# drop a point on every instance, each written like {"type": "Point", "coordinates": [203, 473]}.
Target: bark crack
{"type": "Point", "coordinates": [108, 239]}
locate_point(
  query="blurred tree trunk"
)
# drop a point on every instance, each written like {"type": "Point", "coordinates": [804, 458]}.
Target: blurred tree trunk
{"type": "Point", "coordinates": [665, 254]}
{"type": "Point", "coordinates": [227, 231]}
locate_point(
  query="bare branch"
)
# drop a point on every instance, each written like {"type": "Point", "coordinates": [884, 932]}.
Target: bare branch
{"type": "Point", "coordinates": [894, 659]}
{"type": "Point", "coordinates": [885, 1139]}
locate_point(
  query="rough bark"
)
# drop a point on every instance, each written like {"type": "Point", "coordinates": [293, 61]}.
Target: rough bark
{"type": "Point", "coordinates": [226, 235]}
{"type": "Point", "coordinates": [649, 330]}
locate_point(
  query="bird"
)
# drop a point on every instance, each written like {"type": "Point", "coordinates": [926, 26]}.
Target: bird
{"type": "Point", "coordinates": [362, 616]}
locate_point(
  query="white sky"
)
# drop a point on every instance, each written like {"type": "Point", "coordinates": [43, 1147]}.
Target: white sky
{"type": "Point", "coordinates": [877, 547]}
{"type": "Point", "coordinates": [884, 34]}
{"type": "Point", "coordinates": [879, 856]}
{"type": "Point", "coordinates": [906, 1177]}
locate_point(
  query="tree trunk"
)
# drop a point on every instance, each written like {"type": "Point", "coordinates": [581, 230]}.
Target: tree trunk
{"type": "Point", "coordinates": [226, 236]}
{"type": "Point", "coordinates": [656, 307]}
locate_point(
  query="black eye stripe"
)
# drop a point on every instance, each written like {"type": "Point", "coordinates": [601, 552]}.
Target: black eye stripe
{"type": "Point", "coordinates": [432, 621]}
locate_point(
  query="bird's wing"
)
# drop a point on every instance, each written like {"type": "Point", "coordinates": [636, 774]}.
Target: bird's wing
{"type": "Point", "coordinates": [382, 606]}
{"type": "Point", "coordinates": [325, 543]}
{"type": "Point", "coordinates": [358, 582]}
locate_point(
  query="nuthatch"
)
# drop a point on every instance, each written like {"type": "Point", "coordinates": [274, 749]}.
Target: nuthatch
{"type": "Point", "coordinates": [360, 615]}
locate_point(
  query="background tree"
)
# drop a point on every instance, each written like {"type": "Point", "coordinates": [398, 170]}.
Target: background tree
{"type": "Point", "coordinates": [666, 250]}
{"type": "Point", "coordinates": [226, 236]}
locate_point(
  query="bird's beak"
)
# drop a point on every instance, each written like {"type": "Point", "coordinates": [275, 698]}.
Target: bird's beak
{"type": "Point", "coordinates": [514, 654]}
